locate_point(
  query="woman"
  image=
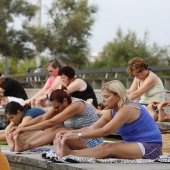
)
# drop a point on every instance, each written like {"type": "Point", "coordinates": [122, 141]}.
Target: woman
{"type": "Point", "coordinates": [77, 87]}
{"type": "Point", "coordinates": [66, 114]}
{"type": "Point", "coordinates": [12, 90]}
{"type": "Point", "coordinates": [53, 82]}
{"type": "Point", "coordinates": [19, 115]}
{"type": "Point", "coordinates": [140, 134]}
{"type": "Point", "coordinates": [146, 84]}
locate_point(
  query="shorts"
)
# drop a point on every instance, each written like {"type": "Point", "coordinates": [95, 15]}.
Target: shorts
{"type": "Point", "coordinates": [93, 142]}
{"type": "Point", "coordinates": [150, 150]}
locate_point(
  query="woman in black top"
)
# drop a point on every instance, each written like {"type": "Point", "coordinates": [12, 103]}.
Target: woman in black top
{"type": "Point", "coordinates": [75, 86]}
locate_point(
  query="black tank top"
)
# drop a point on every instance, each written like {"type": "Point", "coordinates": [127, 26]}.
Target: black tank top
{"type": "Point", "coordinates": [86, 94]}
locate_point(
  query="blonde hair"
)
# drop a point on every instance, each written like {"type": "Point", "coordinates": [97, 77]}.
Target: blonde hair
{"type": "Point", "coordinates": [116, 87]}
{"type": "Point", "coordinates": [136, 64]}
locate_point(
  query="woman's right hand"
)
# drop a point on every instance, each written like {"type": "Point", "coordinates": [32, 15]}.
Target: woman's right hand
{"type": "Point", "coordinates": [25, 102]}
{"type": "Point", "coordinates": [11, 130]}
{"type": "Point", "coordinates": [17, 130]}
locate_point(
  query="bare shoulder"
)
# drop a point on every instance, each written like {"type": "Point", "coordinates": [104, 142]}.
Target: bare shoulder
{"type": "Point", "coordinates": [152, 76]}
{"type": "Point", "coordinates": [77, 107]}
{"type": "Point", "coordinates": [77, 104]}
{"type": "Point", "coordinates": [80, 83]}
{"type": "Point", "coordinates": [107, 114]}
{"type": "Point", "coordinates": [79, 80]}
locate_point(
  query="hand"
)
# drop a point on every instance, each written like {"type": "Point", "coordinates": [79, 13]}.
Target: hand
{"type": "Point", "coordinates": [4, 103]}
{"type": "Point", "coordinates": [19, 130]}
{"type": "Point", "coordinates": [59, 135]}
{"type": "Point", "coordinates": [33, 102]}
{"type": "Point", "coordinates": [12, 129]}
{"type": "Point", "coordinates": [25, 102]}
{"type": "Point", "coordinates": [70, 135]}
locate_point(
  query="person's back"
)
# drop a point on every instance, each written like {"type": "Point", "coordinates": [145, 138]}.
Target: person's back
{"type": "Point", "coordinates": [83, 120]}
{"type": "Point", "coordinates": [13, 88]}
{"type": "Point", "coordinates": [88, 93]}
{"type": "Point", "coordinates": [156, 93]}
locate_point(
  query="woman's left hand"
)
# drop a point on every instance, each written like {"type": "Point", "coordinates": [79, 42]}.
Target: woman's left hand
{"type": "Point", "coordinates": [70, 135]}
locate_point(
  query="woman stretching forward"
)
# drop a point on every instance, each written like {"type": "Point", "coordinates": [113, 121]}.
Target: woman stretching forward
{"type": "Point", "coordinates": [67, 113]}
{"type": "Point", "coordinates": [141, 135]}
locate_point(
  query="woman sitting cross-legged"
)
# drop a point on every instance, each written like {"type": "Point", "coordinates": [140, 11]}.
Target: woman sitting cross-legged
{"type": "Point", "coordinates": [67, 113]}
{"type": "Point", "coordinates": [141, 136]}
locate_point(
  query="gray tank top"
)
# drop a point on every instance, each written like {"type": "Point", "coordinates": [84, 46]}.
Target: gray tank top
{"type": "Point", "coordinates": [83, 120]}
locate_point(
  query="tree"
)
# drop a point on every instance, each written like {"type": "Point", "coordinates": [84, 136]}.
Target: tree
{"type": "Point", "coordinates": [15, 43]}
{"type": "Point", "coordinates": [125, 47]}
{"type": "Point", "coordinates": [67, 33]}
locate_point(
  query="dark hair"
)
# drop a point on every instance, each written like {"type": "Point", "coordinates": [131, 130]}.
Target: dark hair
{"type": "Point", "coordinates": [12, 107]}
{"type": "Point", "coordinates": [68, 71]}
{"type": "Point", "coordinates": [59, 95]}
{"type": "Point", "coordinates": [54, 63]}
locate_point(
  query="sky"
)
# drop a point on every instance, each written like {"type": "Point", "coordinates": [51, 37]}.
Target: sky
{"type": "Point", "coordinates": [135, 15]}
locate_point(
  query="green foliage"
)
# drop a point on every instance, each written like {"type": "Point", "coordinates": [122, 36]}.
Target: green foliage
{"type": "Point", "coordinates": [14, 43]}
{"type": "Point", "coordinates": [22, 65]}
{"type": "Point", "coordinates": [124, 47]}
{"type": "Point", "coordinates": [67, 35]}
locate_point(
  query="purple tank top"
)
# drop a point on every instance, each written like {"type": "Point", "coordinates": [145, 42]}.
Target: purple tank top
{"type": "Point", "coordinates": [144, 129]}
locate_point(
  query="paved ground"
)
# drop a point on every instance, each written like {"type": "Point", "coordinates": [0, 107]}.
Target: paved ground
{"type": "Point", "coordinates": [27, 160]}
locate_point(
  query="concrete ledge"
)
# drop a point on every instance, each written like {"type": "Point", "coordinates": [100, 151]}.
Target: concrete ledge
{"type": "Point", "coordinates": [163, 125]}
{"type": "Point", "coordinates": [33, 161]}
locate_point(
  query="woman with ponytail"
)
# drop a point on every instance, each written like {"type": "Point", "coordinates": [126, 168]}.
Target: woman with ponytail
{"type": "Point", "coordinates": [67, 113]}
{"type": "Point", "coordinates": [18, 116]}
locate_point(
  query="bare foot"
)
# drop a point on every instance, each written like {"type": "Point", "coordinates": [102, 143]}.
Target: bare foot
{"type": "Point", "coordinates": [10, 141]}
{"type": "Point", "coordinates": [152, 112]}
{"type": "Point", "coordinates": [65, 150]}
{"type": "Point", "coordinates": [57, 145]}
{"type": "Point", "coordinates": [19, 144]}
{"type": "Point", "coordinates": [162, 116]}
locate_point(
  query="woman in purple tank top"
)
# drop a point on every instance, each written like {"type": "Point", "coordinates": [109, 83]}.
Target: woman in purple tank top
{"type": "Point", "coordinates": [141, 135]}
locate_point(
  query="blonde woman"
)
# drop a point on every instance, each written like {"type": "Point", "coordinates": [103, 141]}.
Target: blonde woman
{"type": "Point", "coordinates": [141, 136]}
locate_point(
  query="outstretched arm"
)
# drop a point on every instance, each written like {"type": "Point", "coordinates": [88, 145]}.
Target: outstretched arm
{"type": "Point", "coordinates": [73, 109]}
{"type": "Point", "coordinates": [46, 94]}
{"type": "Point", "coordinates": [37, 120]}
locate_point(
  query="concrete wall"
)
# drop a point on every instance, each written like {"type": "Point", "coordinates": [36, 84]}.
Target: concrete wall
{"type": "Point", "coordinates": [98, 92]}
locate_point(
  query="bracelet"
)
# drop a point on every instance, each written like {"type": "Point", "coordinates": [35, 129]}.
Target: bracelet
{"type": "Point", "coordinates": [80, 136]}
{"type": "Point", "coordinates": [47, 96]}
